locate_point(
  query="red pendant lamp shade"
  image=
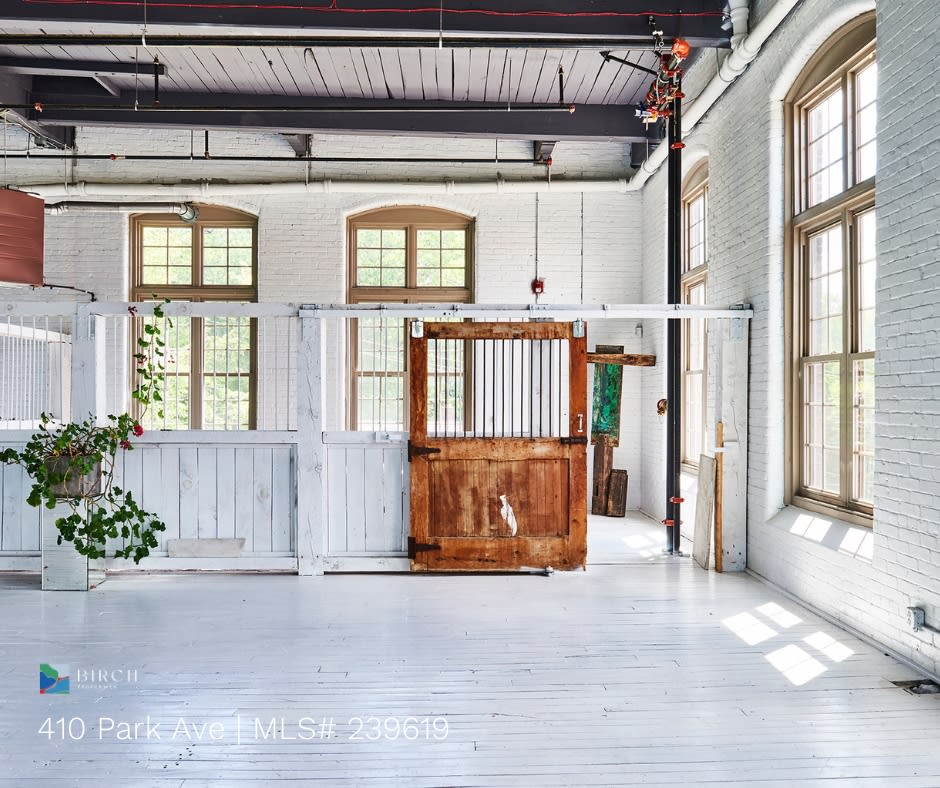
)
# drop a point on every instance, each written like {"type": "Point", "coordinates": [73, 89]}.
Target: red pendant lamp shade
{"type": "Point", "coordinates": [21, 237]}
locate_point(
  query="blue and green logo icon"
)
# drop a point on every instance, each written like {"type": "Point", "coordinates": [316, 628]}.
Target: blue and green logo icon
{"type": "Point", "coordinates": [53, 679]}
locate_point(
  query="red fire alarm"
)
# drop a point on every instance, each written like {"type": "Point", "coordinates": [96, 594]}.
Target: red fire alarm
{"type": "Point", "coordinates": [538, 286]}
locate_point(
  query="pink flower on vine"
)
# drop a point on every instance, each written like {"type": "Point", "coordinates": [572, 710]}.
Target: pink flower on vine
{"type": "Point", "coordinates": [125, 444]}
{"type": "Point", "coordinates": [138, 430]}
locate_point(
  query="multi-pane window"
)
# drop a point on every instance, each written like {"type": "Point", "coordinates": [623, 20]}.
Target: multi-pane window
{"type": "Point", "coordinates": [209, 361]}
{"type": "Point", "coordinates": [866, 91]}
{"type": "Point", "coordinates": [835, 264]}
{"type": "Point", "coordinates": [836, 117]}
{"type": "Point", "coordinates": [695, 272]}
{"type": "Point", "coordinates": [695, 211]}
{"type": "Point", "coordinates": [824, 155]}
{"type": "Point", "coordinates": [693, 377]}
{"type": "Point", "coordinates": [404, 255]}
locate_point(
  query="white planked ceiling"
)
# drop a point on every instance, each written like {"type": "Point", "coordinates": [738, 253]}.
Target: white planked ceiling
{"type": "Point", "coordinates": [519, 76]}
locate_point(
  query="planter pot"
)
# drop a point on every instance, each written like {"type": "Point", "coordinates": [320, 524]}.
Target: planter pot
{"type": "Point", "coordinates": [75, 484]}
{"type": "Point", "coordinates": [63, 569]}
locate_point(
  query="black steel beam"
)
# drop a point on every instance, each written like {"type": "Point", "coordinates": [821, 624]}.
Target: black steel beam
{"type": "Point", "coordinates": [674, 333]}
{"type": "Point", "coordinates": [597, 43]}
{"type": "Point", "coordinates": [76, 68]}
{"type": "Point", "coordinates": [301, 115]}
{"type": "Point", "coordinates": [698, 21]}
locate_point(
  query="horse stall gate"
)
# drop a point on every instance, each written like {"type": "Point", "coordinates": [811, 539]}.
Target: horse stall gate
{"type": "Point", "coordinates": [498, 446]}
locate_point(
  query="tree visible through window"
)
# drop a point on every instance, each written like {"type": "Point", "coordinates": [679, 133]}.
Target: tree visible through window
{"type": "Point", "coordinates": [209, 361]}
{"type": "Point", "coordinates": [834, 264]}
{"type": "Point", "coordinates": [403, 255]}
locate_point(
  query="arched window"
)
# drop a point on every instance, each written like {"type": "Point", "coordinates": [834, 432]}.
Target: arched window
{"type": "Point", "coordinates": [832, 146]}
{"type": "Point", "coordinates": [210, 381]}
{"type": "Point", "coordinates": [694, 341]}
{"type": "Point", "coordinates": [404, 255]}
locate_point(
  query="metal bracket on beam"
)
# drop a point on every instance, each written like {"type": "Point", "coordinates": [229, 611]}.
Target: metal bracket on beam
{"type": "Point", "coordinates": [301, 144]}
{"type": "Point", "coordinates": [542, 153]}
{"type": "Point", "coordinates": [737, 323]}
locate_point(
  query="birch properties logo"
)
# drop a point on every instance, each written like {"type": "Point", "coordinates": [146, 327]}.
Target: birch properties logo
{"type": "Point", "coordinates": [53, 679]}
{"type": "Point", "coordinates": [58, 680]}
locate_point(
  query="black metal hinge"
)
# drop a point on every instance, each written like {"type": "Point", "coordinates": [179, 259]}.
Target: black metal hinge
{"type": "Point", "coordinates": [415, 547]}
{"type": "Point", "coordinates": [420, 451]}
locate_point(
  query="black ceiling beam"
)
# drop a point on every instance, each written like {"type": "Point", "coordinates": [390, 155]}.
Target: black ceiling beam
{"type": "Point", "coordinates": [299, 115]}
{"type": "Point", "coordinates": [77, 68]}
{"type": "Point", "coordinates": [305, 41]}
{"type": "Point", "coordinates": [698, 21]}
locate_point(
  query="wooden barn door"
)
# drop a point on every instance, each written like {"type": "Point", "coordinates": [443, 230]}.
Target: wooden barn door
{"type": "Point", "coordinates": [498, 446]}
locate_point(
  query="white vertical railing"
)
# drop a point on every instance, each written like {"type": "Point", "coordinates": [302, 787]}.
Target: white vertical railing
{"type": "Point", "coordinates": [35, 368]}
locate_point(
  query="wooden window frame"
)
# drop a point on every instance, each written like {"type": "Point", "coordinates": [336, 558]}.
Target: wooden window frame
{"type": "Point", "coordinates": [699, 277]}
{"type": "Point", "coordinates": [209, 216]}
{"type": "Point", "coordinates": [411, 219]}
{"type": "Point", "coordinates": [694, 187]}
{"type": "Point", "coordinates": [835, 66]}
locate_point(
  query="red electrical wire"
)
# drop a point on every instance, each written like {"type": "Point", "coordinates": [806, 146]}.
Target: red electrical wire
{"type": "Point", "coordinates": [333, 9]}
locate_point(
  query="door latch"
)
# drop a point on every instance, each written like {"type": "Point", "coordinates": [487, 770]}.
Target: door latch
{"type": "Point", "coordinates": [415, 547]}
{"type": "Point", "coordinates": [574, 440]}
{"type": "Point", "coordinates": [420, 451]}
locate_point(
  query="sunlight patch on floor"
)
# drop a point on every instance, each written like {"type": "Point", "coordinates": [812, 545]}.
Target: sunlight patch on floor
{"type": "Point", "coordinates": [749, 628]}
{"type": "Point", "coordinates": [829, 646]}
{"type": "Point", "coordinates": [797, 665]}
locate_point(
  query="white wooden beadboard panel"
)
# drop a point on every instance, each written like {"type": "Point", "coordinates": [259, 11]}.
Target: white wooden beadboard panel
{"type": "Point", "coordinates": [216, 492]}
{"type": "Point", "coordinates": [638, 674]}
{"type": "Point", "coordinates": [479, 63]}
{"type": "Point", "coordinates": [367, 504]}
{"type": "Point", "coordinates": [19, 522]}
{"type": "Point", "coordinates": [461, 74]}
{"type": "Point", "coordinates": [372, 64]}
{"type": "Point", "coordinates": [409, 63]}
{"type": "Point", "coordinates": [391, 73]}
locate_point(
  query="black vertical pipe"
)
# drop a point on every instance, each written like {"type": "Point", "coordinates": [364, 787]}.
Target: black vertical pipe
{"type": "Point", "coordinates": [674, 330]}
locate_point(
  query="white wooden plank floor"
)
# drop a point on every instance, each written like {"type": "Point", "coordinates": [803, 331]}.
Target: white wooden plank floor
{"type": "Point", "coordinates": [651, 672]}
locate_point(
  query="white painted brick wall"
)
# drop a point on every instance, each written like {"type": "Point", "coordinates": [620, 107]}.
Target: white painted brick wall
{"type": "Point", "coordinates": [907, 427]}
{"type": "Point", "coordinates": [743, 135]}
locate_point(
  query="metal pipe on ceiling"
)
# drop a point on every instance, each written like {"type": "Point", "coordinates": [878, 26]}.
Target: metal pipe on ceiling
{"type": "Point", "coordinates": [384, 42]}
{"type": "Point", "coordinates": [186, 211]}
{"type": "Point", "coordinates": [209, 191]}
{"type": "Point", "coordinates": [731, 68]}
{"type": "Point", "coordinates": [264, 159]}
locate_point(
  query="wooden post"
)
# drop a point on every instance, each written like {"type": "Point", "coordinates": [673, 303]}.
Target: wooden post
{"type": "Point", "coordinates": [88, 390]}
{"type": "Point", "coordinates": [617, 494]}
{"type": "Point", "coordinates": [603, 463]}
{"type": "Point", "coordinates": [719, 474]}
{"type": "Point", "coordinates": [311, 452]}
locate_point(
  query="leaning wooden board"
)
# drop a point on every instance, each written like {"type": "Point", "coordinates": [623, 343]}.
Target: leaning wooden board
{"type": "Point", "coordinates": [704, 504]}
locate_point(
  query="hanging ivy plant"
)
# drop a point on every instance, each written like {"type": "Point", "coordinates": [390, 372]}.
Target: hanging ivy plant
{"type": "Point", "coordinates": [74, 463]}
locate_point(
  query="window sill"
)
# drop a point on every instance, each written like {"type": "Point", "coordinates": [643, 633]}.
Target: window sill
{"type": "Point", "coordinates": [827, 531]}
{"type": "Point", "coordinates": [827, 509]}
